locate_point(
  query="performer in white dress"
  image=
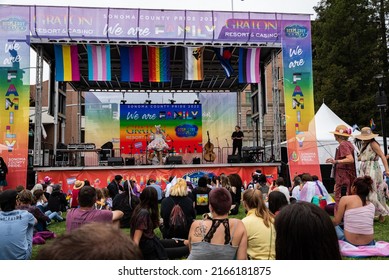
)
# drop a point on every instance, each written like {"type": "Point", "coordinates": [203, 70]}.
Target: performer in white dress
{"type": "Point", "coordinates": [157, 143]}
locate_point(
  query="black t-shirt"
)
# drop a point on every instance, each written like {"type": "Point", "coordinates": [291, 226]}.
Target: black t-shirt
{"type": "Point", "coordinates": [167, 205]}
{"type": "Point", "coordinates": [237, 134]}
{"type": "Point", "coordinates": [201, 199]}
{"type": "Point", "coordinates": [121, 202]}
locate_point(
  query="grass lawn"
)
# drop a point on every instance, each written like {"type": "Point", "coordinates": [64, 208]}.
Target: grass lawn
{"type": "Point", "coordinates": [381, 232]}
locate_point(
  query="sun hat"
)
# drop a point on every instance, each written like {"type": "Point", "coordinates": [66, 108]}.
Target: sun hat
{"type": "Point", "coordinates": [78, 184]}
{"type": "Point", "coordinates": [366, 134]}
{"type": "Point", "coordinates": [342, 130]}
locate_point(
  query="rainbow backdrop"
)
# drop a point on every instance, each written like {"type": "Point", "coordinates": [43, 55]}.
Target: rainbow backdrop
{"type": "Point", "coordinates": [159, 64]}
{"type": "Point", "coordinates": [66, 63]}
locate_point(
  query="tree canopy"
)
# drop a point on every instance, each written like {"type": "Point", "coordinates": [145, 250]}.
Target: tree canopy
{"type": "Point", "coordinates": [347, 55]}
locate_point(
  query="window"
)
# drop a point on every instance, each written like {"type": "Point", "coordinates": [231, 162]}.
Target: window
{"type": "Point", "coordinates": [249, 123]}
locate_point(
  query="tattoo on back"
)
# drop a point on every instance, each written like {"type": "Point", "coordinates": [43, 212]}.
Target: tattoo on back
{"type": "Point", "coordinates": [200, 231]}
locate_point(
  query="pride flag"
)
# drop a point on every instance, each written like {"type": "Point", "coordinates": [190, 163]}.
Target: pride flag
{"type": "Point", "coordinates": [224, 55]}
{"type": "Point", "coordinates": [249, 71]}
{"type": "Point", "coordinates": [99, 62]}
{"type": "Point", "coordinates": [131, 64]}
{"type": "Point", "coordinates": [66, 63]}
{"type": "Point", "coordinates": [159, 64]}
{"type": "Point", "coordinates": [194, 63]}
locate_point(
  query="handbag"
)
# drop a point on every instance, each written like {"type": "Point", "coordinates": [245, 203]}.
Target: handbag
{"type": "Point", "coordinates": [319, 201]}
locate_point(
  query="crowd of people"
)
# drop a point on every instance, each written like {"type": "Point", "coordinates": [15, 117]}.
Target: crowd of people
{"type": "Point", "coordinates": [197, 219]}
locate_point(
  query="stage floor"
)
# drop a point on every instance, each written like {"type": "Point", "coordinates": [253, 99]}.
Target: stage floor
{"type": "Point", "coordinates": [100, 176]}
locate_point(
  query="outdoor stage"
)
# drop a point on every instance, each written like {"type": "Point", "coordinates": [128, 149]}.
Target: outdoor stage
{"type": "Point", "coordinates": [101, 176]}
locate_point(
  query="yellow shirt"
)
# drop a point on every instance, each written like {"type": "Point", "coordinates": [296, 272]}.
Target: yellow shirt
{"type": "Point", "coordinates": [260, 239]}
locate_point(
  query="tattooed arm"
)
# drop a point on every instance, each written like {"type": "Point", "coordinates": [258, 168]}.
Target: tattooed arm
{"type": "Point", "coordinates": [196, 232]}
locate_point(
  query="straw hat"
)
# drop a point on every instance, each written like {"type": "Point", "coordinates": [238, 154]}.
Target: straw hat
{"type": "Point", "coordinates": [78, 184]}
{"type": "Point", "coordinates": [342, 130]}
{"type": "Point", "coordinates": [366, 134]}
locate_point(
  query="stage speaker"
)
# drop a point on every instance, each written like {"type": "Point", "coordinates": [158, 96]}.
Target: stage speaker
{"type": "Point", "coordinates": [233, 159]}
{"type": "Point", "coordinates": [174, 160]}
{"type": "Point", "coordinates": [196, 160]}
{"type": "Point", "coordinates": [115, 161]}
{"type": "Point", "coordinates": [130, 161]}
{"type": "Point", "coordinates": [248, 158]}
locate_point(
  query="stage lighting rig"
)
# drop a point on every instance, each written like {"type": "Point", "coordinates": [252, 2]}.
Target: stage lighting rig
{"type": "Point", "coordinates": [197, 100]}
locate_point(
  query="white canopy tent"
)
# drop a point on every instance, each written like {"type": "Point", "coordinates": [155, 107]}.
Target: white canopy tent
{"type": "Point", "coordinates": [326, 120]}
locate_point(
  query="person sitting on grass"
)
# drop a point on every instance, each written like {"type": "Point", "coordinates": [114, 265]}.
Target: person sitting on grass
{"type": "Point", "coordinates": [357, 213]}
{"type": "Point", "coordinates": [87, 213]}
{"type": "Point", "coordinates": [92, 241]}
{"type": "Point", "coordinates": [305, 232]}
{"type": "Point", "coordinates": [16, 229]}
{"type": "Point", "coordinates": [277, 200]}
{"type": "Point", "coordinates": [57, 201]}
{"type": "Point", "coordinates": [24, 202]}
{"type": "Point", "coordinates": [259, 224]}
{"type": "Point", "coordinates": [218, 238]}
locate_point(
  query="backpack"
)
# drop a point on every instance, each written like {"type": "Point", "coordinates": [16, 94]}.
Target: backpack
{"type": "Point", "coordinates": [177, 219]}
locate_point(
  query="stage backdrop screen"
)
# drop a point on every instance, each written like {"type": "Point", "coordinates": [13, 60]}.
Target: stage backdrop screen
{"type": "Point", "coordinates": [180, 123]}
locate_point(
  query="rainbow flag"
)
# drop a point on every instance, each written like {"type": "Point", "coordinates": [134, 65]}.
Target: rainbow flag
{"type": "Point", "coordinates": [194, 63]}
{"type": "Point", "coordinates": [159, 64]}
{"type": "Point", "coordinates": [249, 71]}
{"type": "Point", "coordinates": [99, 62]}
{"type": "Point", "coordinates": [372, 124]}
{"type": "Point", "coordinates": [66, 63]}
{"type": "Point", "coordinates": [131, 64]}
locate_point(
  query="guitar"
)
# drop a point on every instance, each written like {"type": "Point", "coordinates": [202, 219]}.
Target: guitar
{"type": "Point", "coordinates": [209, 155]}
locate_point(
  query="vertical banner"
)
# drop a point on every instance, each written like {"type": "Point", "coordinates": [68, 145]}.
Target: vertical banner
{"type": "Point", "coordinates": [14, 92]}
{"type": "Point", "coordinates": [181, 125]}
{"type": "Point", "coordinates": [299, 102]}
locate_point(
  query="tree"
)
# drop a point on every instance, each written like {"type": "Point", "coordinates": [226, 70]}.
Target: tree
{"type": "Point", "coordinates": [347, 54]}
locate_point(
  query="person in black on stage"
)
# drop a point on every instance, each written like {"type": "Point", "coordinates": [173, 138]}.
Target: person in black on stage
{"type": "Point", "coordinates": [237, 140]}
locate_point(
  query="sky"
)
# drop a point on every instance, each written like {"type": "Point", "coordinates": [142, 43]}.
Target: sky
{"type": "Point", "coordinates": [268, 6]}
{"type": "Point", "coordinates": [280, 6]}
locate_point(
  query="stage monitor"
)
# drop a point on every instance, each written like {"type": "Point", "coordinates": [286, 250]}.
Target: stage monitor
{"type": "Point", "coordinates": [130, 161]}
{"type": "Point", "coordinates": [115, 161]}
{"type": "Point", "coordinates": [233, 159]}
{"type": "Point", "coordinates": [174, 160]}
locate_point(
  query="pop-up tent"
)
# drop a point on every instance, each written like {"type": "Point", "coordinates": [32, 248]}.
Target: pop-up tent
{"type": "Point", "coordinates": [326, 121]}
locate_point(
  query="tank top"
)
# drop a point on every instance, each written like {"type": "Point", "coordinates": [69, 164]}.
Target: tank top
{"type": "Point", "coordinates": [204, 250]}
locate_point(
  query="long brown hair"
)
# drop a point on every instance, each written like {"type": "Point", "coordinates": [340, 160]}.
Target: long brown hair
{"type": "Point", "coordinates": [253, 199]}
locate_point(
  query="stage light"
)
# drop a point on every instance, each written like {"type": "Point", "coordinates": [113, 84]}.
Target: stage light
{"type": "Point", "coordinates": [172, 101]}
{"type": "Point", "coordinates": [147, 101]}
{"type": "Point", "coordinates": [197, 101]}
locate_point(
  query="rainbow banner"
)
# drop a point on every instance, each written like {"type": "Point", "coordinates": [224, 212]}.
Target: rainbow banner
{"type": "Point", "coordinates": [66, 63]}
{"type": "Point", "coordinates": [159, 64]}
{"type": "Point", "coordinates": [131, 64]}
{"type": "Point", "coordinates": [249, 71]}
{"type": "Point", "coordinates": [14, 93]}
{"type": "Point", "coordinates": [99, 62]}
{"type": "Point", "coordinates": [194, 63]}
{"type": "Point", "coordinates": [181, 125]}
{"type": "Point", "coordinates": [299, 103]}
